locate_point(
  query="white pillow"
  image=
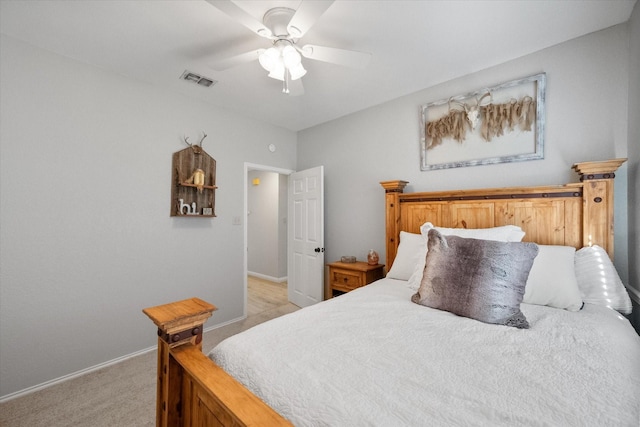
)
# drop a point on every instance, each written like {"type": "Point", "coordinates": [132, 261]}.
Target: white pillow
{"type": "Point", "coordinates": [552, 279]}
{"type": "Point", "coordinates": [505, 233]}
{"type": "Point", "coordinates": [416, 276]}
{"type": "Point", "coordinates": [598, 280]}
{"type": "Point", "coordinates": [411, 248]}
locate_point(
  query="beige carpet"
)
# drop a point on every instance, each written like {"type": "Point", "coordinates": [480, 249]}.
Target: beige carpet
{"type": "Point", "coordinates": [124, 394]}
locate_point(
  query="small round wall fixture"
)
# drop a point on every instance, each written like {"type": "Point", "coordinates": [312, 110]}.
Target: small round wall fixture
{"type": "Point", "coordinates": [272, 148]}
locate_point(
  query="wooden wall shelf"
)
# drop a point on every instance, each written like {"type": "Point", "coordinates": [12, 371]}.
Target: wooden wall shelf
{"type": "Point", "coordinates": [184, 194]}
{"type": "Point", "coordinates": [208, 187]}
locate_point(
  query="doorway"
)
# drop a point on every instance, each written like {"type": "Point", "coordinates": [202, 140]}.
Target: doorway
{"type": "Point", "coordinates": [265, 224]}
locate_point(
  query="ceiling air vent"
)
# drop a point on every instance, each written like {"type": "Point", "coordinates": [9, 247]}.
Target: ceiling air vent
{"type": "Point", "coordinates": [198, 79]}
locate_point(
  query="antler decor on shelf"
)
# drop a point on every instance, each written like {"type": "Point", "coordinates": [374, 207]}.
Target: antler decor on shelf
{"type": "Point", "coordinates": [197, 148]}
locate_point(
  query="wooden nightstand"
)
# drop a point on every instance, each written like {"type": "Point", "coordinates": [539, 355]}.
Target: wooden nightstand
{"type": "Point", "coordinates": [345, 277]}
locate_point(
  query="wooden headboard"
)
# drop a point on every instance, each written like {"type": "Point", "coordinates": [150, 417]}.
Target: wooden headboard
{"type": "Point", "coordinates": [577, 214]}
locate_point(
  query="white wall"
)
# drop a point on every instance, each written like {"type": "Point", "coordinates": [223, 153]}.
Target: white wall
{"type": "Point", "coordinates": [634, 158]}
{"type": "Point", "coordinates": [264, 237]}
{"type": "Point", "coordinates": [86, 237]}
{"type": "Point", "coordinates": [586, 119]}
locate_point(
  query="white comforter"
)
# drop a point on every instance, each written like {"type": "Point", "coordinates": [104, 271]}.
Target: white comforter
{"type": "Point", "coordinates": [372, 357]}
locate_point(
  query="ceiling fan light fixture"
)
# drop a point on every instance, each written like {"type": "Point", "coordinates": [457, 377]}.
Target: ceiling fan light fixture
{"type": "Point", "coordinates": [278, 71]}
{"type": "Point", "coordinates": [290, 57]}
{"type": "Point", "coordinates": [269, 59]}
{"type": "Point", "coordinates": [282, 63]}
{"type": "Point", "coordinates": [297, 71]}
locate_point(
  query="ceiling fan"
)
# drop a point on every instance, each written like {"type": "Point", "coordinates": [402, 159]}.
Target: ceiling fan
{"type": "Point", "coordinates": [284, 27]}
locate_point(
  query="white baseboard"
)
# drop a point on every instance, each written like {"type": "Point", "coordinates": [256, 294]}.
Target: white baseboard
{"type": "Point", "coordinates": [269, 278]}
{"type": "Point", "coordinates": [73, 375]}
{"type": "Point", "coordinates": [97, 367]}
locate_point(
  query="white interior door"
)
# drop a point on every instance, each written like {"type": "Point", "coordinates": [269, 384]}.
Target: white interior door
{"type": "Point", "coordinates": [306, 237]}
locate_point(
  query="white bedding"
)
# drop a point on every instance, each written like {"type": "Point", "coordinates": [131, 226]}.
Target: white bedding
{"type": "Point", "coordinates": [372, 357]}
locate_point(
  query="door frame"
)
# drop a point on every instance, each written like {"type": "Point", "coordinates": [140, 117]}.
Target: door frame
{"type": "Point", "coordinates": [245, 218]}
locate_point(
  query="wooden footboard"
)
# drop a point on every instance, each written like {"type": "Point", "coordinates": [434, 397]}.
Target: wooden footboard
{"type": "Point", "coordinates": [192, 390]}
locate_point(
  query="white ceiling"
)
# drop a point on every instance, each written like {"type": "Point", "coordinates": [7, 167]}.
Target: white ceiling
{"type": "Point", "coordinates": [415, 45]}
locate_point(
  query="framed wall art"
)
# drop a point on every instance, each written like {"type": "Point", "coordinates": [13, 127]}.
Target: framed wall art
{"type": "Point", "coordinates": [499, 124]}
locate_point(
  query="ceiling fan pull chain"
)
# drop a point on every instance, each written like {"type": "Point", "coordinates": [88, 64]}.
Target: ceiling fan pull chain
{"type": "Point", "coordinates": [285, 82]}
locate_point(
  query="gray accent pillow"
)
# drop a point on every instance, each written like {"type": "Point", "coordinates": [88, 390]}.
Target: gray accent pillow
{"type": "Point", "coordinates": [479, 279]}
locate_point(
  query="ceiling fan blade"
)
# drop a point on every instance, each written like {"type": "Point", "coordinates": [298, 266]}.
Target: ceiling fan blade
{"type": "Point", "coordinates": [242, 17]}
{"type": "Point", "coordinates": [233, 61]}
{"type": "Point", "coordinates": [296, 88]}
{"type": "Point", "coordinates": [306, 15]}
{"type": "Point", "coordinates": [348, 58]}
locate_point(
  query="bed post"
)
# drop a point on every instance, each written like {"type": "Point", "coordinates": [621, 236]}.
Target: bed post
{"type": "Point", "coordinates": [392, 199]}
{"type": "Point", "coordinates": [597, 218]}
{"type": "Point", "coordinates": [178, 323]}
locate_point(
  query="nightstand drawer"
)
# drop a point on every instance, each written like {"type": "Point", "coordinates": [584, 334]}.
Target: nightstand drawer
{"type": "Point", "coordinates": [346, 279]}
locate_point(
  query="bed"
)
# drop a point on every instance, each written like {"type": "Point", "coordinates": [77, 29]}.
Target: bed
{"type": "Point", "coordinates": [376, 357]}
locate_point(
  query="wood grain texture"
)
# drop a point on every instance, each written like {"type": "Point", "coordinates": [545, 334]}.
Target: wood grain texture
{"type": "Point", "coordinates": [575, 214]}
{"type": "Point", "coordinates": [180, 315]}
{"type": "Point", "coordinates": [345, 277]}
{"type": "Point", "coordinates": [264, 295]}
{"type": "Point", "coordinates": [184, 162]}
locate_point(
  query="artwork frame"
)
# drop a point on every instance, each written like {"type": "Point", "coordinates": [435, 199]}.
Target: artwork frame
{"type": "Point", "coordinates": [485, 144]}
